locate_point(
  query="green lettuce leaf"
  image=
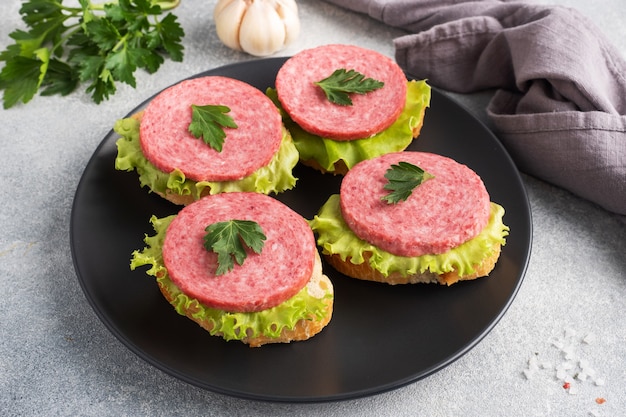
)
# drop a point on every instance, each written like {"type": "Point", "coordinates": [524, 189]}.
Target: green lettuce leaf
{"type": "Point", "coordinates": [273, 178]}
{"type": "Point", "coordinates": [335, 237]}
{"type": "Point", "coordinates": [393, 139]}
{"type": "Point", "coordinates": [230, 326]}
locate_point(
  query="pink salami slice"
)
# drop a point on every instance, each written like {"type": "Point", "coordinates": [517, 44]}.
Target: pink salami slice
{"type": "Point", "coordinates": [265, 280]}
{"type": "Point", "coordinates": [308, 106]}
{"type": "Point", "coordinates": [168, 144]}
{"type": "Point", "coordinates": [440, 214]}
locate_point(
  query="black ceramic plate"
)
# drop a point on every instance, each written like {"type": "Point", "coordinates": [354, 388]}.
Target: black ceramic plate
{"type": "Point", "coordinates": [380, 337]}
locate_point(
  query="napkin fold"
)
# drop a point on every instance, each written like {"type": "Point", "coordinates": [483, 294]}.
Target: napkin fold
{"type": "Point", "coordinates": [560, 101]}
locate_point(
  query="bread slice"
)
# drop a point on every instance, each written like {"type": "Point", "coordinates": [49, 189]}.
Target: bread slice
{"type": "Point", "coordinates": [365, 272]}
{"type": "Point", "coordinates": [304, 329]}
{"type": "Point", "coordinates": [318, 286]}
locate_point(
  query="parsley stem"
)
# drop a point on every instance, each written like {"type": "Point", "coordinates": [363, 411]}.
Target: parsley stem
{"type": "Point", "coordinates": [168, 4]}
{"type": "Point", "coordinates": [120, 43]}
{"type": "Point", "coordinates": [51, 29]}
{"type": "Point", "coordinates": [72, 10]}
{"type": "Point", "coordinates": [67, 35]}
{"type": "Point", "coordinates": [164, 4]}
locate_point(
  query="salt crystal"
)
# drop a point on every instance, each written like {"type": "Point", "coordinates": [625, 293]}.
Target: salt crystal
{"type": "Point", "coordinates": [594, 413]}
{"type": "Point", "coordinates": [569, 353]}
{"type": "Point", "coordinates": [590, 371]}
{"type": "Point", "coordinates": [546, 365]}
{"type": "Point", "coordinates": [558, 344]}
{"type": "Point", "coordinates": [600, 382]}
{"type": "Point", "coordinates": [581, 376]}
{"type": "Point", "coordinates": [573, 390]}
{"type": "Point", "coordinates": [589, 338]}
{"type": "Point", "coordinates": [569, 332]}
{"type": "Point", "coordinates": [528, 374]}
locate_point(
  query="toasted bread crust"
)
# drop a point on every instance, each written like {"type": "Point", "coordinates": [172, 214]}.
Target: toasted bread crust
{"type": "Point", "coordinates": [303, 329]}
{"type": "Point", "coordinates": [365, 272]}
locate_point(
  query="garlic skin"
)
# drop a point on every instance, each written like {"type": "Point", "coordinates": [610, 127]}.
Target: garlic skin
{"type": "Point", "coordinates": [258, 27]}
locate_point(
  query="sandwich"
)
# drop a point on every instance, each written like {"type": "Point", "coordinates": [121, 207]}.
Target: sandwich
{"type": "Point", "coordinates": [242, 265]}
{"type": "Point", "coordinates": [411, 217]}
{"type": "Point", "coordinates": [343, 104]}
{"type": "Point", "coordinates": [207, 135]}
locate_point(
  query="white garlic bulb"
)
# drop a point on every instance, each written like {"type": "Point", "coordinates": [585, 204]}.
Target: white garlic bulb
{"type": "Point", "coordinates": [258, 27]}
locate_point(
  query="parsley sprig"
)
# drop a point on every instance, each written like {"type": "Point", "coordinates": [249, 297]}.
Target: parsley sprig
{"type": "Point", "coordinates": [209, 122]}
{"type": "Point", "coordinates": [97, 44]}
{"type": "Point", "coordinates": [229, 240]}
{"type": "Point", "coordinates": [402, 179]}
{"type": "Point", "coordinates": [342, 82]}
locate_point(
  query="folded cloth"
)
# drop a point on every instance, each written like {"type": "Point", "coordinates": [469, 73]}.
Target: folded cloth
{"type": "Point", "coordinates": [560, 101]}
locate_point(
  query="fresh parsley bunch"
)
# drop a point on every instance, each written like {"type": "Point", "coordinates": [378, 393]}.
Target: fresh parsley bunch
{"type": "Point", "coordinates": [98, 44]}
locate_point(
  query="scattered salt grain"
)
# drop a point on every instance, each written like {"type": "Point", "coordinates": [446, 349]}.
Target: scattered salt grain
{"type": "Point", "coordinates": [589, 338]}
{"type": "Point", "coordinates": [557, 343]}
{"type": "Point", "coordinates": [591, 372]}
{"type": "Point", "coordinates": [568, 352]}
{"type": "Point", "coordinates": [570, 368]}
{"type": "Point", "coordinates": [569, 332]}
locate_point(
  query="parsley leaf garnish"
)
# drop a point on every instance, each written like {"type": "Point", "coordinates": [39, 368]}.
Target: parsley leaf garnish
{"type": "Point", "coordinates": [209, 122]}
{"type": "Point", "coordinates": [228, 238]}
{"type": "Point", "coordinates": [402, 179]}
{"type": "Point", "coordinates": [93, 43]}
{"type": "Point", "coordinates": [341, 83]}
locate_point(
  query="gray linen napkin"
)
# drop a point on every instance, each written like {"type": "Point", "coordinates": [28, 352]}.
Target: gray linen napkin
{"type": "Point", "coordinates": [560, 104]}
